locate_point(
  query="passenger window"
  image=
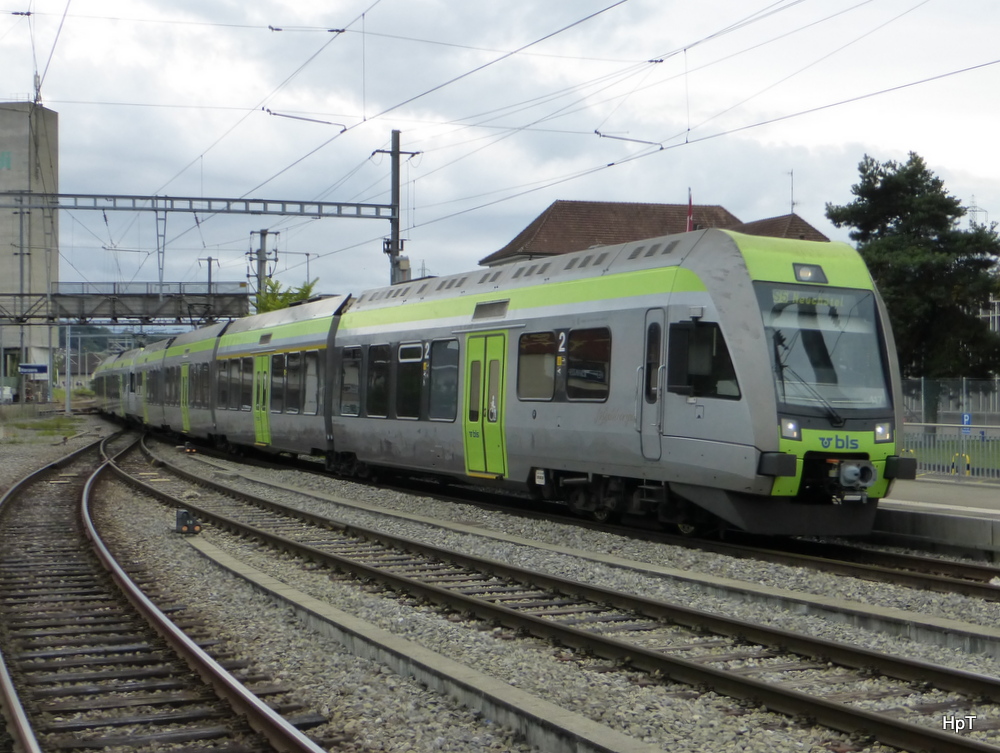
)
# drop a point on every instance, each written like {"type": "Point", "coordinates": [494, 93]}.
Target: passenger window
{"type": "Point", "coordinates": [350, 382]}
{"type": "Point", "coordinates": [475, 390]}
{"type": "Point", "coordinates": [293, 383]}
{"type": "Point", "coordinates": [700, 364]}
{"type": "Point", "coordinates": [223, 382]}
{"type": "Point", "coordinates": [235, 398]}
{"type": "Point", "coordinates": [654, 336]}
{"type": "Point", "coordinates": [409, 380]}
{"type": "Point", "coordinates": [588, 364]}
{"type": "Point", "coordinates": [246, 384]}
{"type": "Point", "coordinates": [536, 366]}
{"type": "Point", "coordinates": [310, 390]}
{"type": "Point", "coordinates": [277, 382]}
{"type": "Point", "coordinates": [444, 380]}
{"type": "Point", "coordinates": [493, 393]}
{"type": "Point", "coordinates": [377, 395]}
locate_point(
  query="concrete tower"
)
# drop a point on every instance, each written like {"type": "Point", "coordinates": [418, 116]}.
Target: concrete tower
{"type": "Point", "coordinates": [29, 251]}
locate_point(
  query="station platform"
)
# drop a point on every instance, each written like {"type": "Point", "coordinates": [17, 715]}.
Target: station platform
{"type": "Point", "coordinates": [942, 513]}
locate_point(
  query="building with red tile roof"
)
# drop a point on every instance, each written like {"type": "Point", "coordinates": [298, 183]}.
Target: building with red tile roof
{"type": "Point", "coordinates": [576, 225]}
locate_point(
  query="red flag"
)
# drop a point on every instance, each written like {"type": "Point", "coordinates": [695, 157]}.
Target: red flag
{"type": "Point", "coordinates": [690, 222]}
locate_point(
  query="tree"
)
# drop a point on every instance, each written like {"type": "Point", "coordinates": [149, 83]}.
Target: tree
{"type": "Point", "coordinates": [273, 297]}
{"type": "Point", "coordinates": [934, 277]}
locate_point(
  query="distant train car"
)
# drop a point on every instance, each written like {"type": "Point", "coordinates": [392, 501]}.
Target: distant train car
{"type": "Point", "coordinates": [114, 385]}
{"type": "Point", "coordinates": [270, 379]}
{"type": "Point", "coordinates": [149, 383]}
{"type": "Point", "coordinates": [187, 368]}
{"type": "Point", "coordinates": [704, 379]}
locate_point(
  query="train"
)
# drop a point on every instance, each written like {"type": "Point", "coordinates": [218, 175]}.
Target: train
{"type": "Point", "coordinates": [708, 380]}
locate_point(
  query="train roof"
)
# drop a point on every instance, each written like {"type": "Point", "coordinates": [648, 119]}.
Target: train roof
{"type": "Point", "coordinates": [762, 255]}
{"type": "Point", "coordinates": [318, 309]}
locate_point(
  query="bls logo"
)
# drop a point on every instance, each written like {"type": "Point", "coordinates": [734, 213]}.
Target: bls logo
{"type": "Point", "coordinates": [839, 443]}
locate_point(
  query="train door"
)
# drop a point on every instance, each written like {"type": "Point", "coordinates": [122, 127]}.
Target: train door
{"type": "Point", "coordinates": [262, 399]}
{"type": "Point", "coordinates": [485, 448]}
{"type": "Point", "coordinates": [186, 397]}
{"type": "Point", "coordinates": [649, 385]}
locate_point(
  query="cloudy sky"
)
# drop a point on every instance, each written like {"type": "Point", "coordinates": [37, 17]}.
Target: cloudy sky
{"type": "Point", "coordinates": [509, 105]}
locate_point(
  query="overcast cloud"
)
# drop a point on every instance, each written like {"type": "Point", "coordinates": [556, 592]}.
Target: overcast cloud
{"type": "Point", "coordinates": [504, 101]}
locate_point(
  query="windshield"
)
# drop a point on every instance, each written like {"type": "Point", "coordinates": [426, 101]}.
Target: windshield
{"type": "Point", "coordinates": [825, 348]}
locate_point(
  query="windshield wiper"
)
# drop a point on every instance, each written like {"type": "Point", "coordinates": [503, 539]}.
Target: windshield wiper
{"type": "Point", "coordinates": [780, 367]}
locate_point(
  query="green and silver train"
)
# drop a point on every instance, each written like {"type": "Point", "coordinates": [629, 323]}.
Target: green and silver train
{"type": "Point", "coordinates": [709, 379]}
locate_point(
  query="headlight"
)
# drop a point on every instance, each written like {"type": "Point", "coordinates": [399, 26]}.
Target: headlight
{"type": "Point", "coordinates": [790, 429]}
{"type": "Point", "coordinates": [809, 273]}
{"type": "Point", "coordinates": [883, 432]}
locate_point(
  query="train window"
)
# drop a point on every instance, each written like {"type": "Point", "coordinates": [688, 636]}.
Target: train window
{"type": "Point", "coordinates": [311, 380]}
{"type": "Point", "coordinates": [293, 383]}
{"type": "Point", "coordinates": [444, 380]}
{"type": "Point", "coordinates": [588, 364]}
{"type": "Point", "coordinates": [222, 380]}
{"type": "Point", "coordinates": [493, 393]}
{"type": "Point", "coordinates": [170, 385]}
{"type": "Point", "coordinates": [192, 385]}
{"type": "Point", "coordinates": [377, 392]}
{"type": "Point", "coordinates": [699, 362]}
{"type": "Point", "coordinates": [277, 382]}
{"type": "Point", "coordinates": [475, 390]}
{"type": "Point", "coordinates": [350, 382]}
{"type": "Point", "coordinates": [206, 385]}
{"type": "Point", "coordinates": [651, 379]}
{"type": "Point", "coordinates": [409, 380]}
{"type": "Point", "coordinates": [536, 366]}
{"type": "Point", "coordinates": [246, 383]}
{"type": "Point", "coordinates": [235, 398]}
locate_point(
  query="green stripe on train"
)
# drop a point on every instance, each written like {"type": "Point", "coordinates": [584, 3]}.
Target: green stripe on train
{"type": "Point", "coordinates": [587, 290]}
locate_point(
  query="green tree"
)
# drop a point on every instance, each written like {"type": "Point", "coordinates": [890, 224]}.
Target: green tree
{"type": "Point", "coordinates": [273, 297]}
{"type": "Point", "coordinates": [934, 277]}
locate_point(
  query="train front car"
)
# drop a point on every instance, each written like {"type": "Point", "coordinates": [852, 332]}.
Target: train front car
{"type": "Point", "coordinates": [811, 339]}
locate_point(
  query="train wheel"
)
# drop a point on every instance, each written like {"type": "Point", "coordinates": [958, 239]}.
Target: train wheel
{"type": "Point", "coordinates": [605, 514]}
{"type": "Point", "coordinates": [579, 502]}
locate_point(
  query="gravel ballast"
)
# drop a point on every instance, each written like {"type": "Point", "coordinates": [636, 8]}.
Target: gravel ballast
{"type": "Point", "coordinates": [372, 709]}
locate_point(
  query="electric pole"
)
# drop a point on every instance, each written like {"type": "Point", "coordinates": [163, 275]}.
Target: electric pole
{"type": "Point", "coordinates": [260, 262]}
{"type": "Point", "coordinates": [393, 245]}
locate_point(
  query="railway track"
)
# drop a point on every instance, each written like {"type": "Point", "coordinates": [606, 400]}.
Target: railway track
{"type": "Point", "coordinates": [929, 573]}
{"type": "Point", "coordinates": [88, 661]}
{"type": "Point", "coordinates": [786, 672]}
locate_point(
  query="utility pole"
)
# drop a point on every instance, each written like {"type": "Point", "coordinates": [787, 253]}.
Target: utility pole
{"type": "Point", "coordinates": [260, 262]}
{"type": "Point", "coordinates": [210, 259]}
{"type": "Point", "coordinates": [22, 381]}
{"type": "Point", "coordinates": [393, 245]}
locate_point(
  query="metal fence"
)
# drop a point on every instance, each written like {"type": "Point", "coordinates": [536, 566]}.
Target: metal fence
{"type": "Point", "coordinates": [952, 401]}
{"type": "Point", "coordinates": [961, 451]}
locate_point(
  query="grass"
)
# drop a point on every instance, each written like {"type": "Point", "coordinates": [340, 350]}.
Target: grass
{"type": "Point", "coordinates": [18, 430]}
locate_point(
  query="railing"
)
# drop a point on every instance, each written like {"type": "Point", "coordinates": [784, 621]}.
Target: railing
{"type": "Point", "coordinates": [962, 452]}
{"type": "Point", "coordinates": [148, 288]}
{"type": "Point", "coordinates": [946, 400]}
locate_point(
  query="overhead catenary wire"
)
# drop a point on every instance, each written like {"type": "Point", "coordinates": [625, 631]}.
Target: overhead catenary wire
{"type": "Point", "coordinates": [614, 104]}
